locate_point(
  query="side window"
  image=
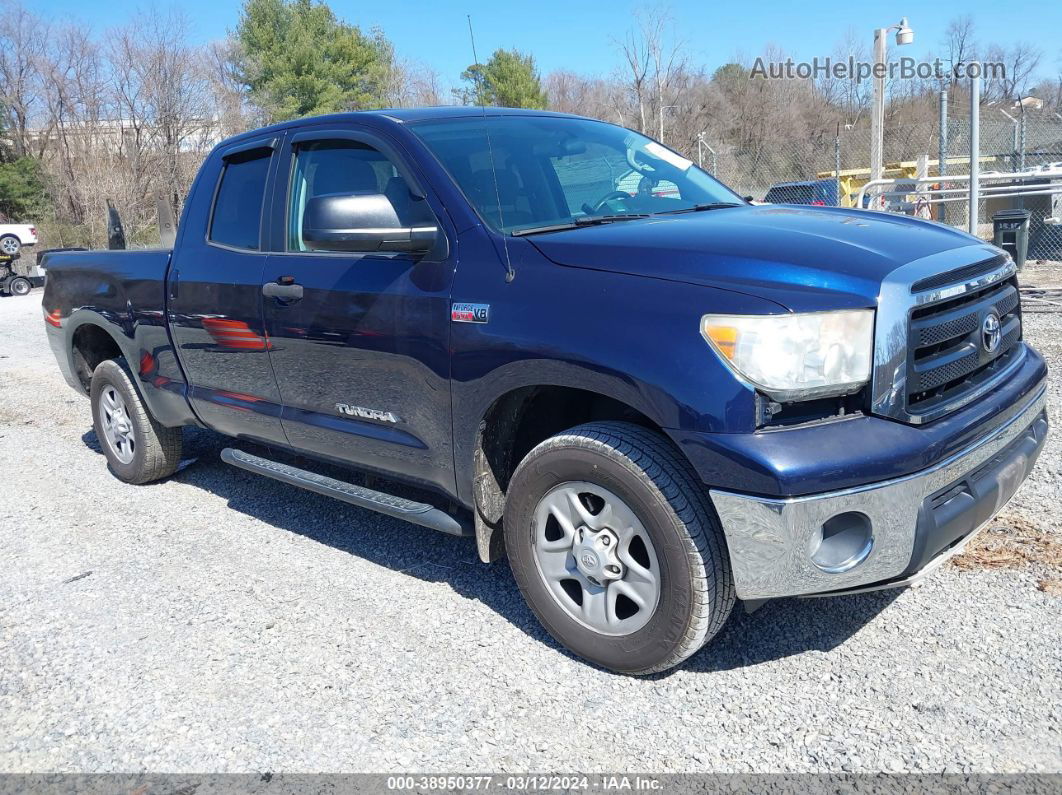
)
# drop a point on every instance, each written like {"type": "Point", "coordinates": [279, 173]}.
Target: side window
{"type": "Point", "coordinates": [323, 168]}
{"type": "Point", "coordinates": [236, 219]}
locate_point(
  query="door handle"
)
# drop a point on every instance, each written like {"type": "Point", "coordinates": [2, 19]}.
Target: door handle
{"type": "Point", "coordinates": [283, 288]}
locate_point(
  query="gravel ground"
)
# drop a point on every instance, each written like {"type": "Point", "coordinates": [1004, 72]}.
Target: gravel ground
{"type": "Point", "coordinates": [222, 622]}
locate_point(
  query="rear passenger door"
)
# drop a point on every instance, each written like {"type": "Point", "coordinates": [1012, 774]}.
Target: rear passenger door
{"type": "Point", "coordinates": [215, 295]}
{"type": "Point", "coordinates": [362, 357]}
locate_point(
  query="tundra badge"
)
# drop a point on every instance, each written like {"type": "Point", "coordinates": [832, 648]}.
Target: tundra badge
{"type": "Point", "coordinates": [470, 313]}
{"type": "Point", "coordinates": [366, 414]}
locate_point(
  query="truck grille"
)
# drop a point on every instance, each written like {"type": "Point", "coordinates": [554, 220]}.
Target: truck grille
{"type": "Point", "coordinates": [950, 353]}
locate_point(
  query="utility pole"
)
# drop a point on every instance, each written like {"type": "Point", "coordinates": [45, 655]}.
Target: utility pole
{"type": "Point", "coordinates": [877, 110]}
{"type": "Point", "coordinates": [904, 35]}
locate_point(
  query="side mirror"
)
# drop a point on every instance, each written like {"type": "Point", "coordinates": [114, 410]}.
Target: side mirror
{"type": "Point", "coordinates": [361, 222]}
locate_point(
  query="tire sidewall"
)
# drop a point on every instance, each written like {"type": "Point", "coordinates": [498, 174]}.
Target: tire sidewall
{"type": "Point", "coordinates": [657, 640]}
{"type": "Point", "coordinates": [10, 237]}
{"type": "Point", "coordinates": [113, 373]}
{"type": "Point", "coordinates": [20, 281]}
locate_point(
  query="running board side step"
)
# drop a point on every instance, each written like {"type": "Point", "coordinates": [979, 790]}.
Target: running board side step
{"type": "Point", "coordinates": [400, 508]}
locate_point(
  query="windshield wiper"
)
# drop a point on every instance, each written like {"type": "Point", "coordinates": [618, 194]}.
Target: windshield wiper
{"type": "Point", "coordinates": [697, 208]}
{"type": "Point", "coordinates": [575, 223]}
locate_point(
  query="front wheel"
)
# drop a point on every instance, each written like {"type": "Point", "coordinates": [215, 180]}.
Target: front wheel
{"type": "Point", "coordinates": [10, 245]}
{"type": "Point", "coordinates": [19, 286]}
{"type": "Point", "coordinates": [616, 547]}
{"type": "Point", "coordinates": [137, 447]}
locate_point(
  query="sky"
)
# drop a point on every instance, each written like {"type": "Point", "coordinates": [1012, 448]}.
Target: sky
{"type": "Point", "coordinates": [581, 36]}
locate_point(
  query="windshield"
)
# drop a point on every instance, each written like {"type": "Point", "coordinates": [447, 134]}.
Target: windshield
{"type": "Point", "coordinates": [554, 171]}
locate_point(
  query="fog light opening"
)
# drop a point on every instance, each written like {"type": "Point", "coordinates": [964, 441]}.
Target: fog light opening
{"type": "Point", "coordinates": [842, 543]}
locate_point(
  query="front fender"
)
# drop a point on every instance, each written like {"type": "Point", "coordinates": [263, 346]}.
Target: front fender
{"type": "Point", "coordinates": [633, 339]}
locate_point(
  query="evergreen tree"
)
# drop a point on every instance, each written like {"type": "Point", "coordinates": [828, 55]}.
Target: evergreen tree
{"type": "Point", "coordinates": [23, 194]}
{"type": "Point", "coordinates": [509, 80]}
{"type": "Point", "coordinates": [22, 191]}
{"type": "Point", "coordinates": [298, 60]}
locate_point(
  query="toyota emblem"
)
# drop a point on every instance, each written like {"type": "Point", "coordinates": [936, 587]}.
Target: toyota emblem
{"type": "Point", "coordinates": [990, 333]}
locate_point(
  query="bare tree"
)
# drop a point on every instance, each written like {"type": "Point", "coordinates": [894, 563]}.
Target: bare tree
{"type": "Point", "coordinates": [656, 64]}
{"type": "Point", "coordinates": [75, 97]}
{"type": "Point", "coordinates": [23, 44]}
{"type": "Point", "coordinates": [959, 46]}
{"type": "Point", "coordinates": [1021, 62]}
{"type": "Point", "coordinates": [415, 84]}
{"type": "Point", "coordinates": [849, 96]}
{"type": "Point", "coordinates": [162, 93]}
{"type": "Point", "coordinates": [233, 111]}
{"type": "Point", "coordinates": [570, 92]}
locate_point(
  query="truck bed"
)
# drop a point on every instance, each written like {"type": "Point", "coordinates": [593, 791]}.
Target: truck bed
{"type": "Point", "coordinates": [126, 282]}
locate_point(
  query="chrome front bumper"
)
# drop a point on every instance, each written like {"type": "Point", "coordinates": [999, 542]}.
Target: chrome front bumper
{"type": "Point", "coordinates": [771, 540]}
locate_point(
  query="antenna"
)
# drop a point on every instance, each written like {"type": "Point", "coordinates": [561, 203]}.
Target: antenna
{"type": "Point", "coordinates": [510, 273]}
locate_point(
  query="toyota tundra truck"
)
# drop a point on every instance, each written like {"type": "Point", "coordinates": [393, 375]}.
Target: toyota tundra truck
{"type": "Point", "coordinates": [564, 340]}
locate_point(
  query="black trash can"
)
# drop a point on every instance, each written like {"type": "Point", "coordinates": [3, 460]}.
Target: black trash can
{"type": "Point", "coordinates": [1010, 231]}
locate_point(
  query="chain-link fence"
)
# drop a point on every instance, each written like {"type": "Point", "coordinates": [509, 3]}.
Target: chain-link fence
{"type": "Point", "coordinates": [833, 169]}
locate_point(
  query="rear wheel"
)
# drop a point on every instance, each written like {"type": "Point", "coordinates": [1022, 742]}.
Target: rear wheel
{"type": "Point", "coordinates": [137, 447]}
{"type": "Point", "coordinates": [10, 245]}
{"type": "Point", "coordinates": [19, 286]}
{"type": "Point", "coordinates": [616, 547]}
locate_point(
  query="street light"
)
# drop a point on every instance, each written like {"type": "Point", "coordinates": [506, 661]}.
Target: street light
{"type": "Point", "coordinates": [904, 35]}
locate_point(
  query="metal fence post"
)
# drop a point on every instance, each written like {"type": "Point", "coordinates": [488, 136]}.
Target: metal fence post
{"type": "Point", "coordinates": [837, 164]}
{"type": "Point", "coordinates": [975, 150]}
{"type": "Point", "coordinates": [942, 153]}
{"type": "Point", "coordinates": [1021, 148]}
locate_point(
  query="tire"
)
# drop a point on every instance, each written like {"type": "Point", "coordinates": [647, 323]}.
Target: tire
{"type": "Point", "coordinates": [19, 286]}
{"type": "Point", "coordinates": [667, 507]}
{"type": "Point", "coordinates": [147, 451]}
{"type": "Point", "coordinates": [10, 245]}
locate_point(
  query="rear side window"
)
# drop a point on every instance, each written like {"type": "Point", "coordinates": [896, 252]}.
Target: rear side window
{"type": "Point", "coordinates": [236, 219]}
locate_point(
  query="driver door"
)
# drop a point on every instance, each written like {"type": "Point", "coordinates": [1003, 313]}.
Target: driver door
{"type": "Point", "coordinates": [362, 357]}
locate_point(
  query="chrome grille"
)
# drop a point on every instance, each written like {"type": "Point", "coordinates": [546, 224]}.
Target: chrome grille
{"type": "Point", "coordinates": [929, 313]}
{"type": "Point", "coordinates": [947, 355]}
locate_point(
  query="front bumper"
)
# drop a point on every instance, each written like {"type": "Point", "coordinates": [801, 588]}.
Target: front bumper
{"type": "Point", "coordinates": [915, 521]}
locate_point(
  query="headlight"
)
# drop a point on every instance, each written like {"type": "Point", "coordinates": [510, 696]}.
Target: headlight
{"type": "Point", "coordinates": [796, 356]}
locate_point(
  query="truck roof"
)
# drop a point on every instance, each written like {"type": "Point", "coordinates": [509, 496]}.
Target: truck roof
{"type": "Point", "coordinates": [401, 116]}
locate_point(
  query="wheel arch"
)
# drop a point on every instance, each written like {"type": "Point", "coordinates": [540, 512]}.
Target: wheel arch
{"type": "Point", "coordinates": [91, 343]}
{"type": "Point", "coordinates": [514, 423]}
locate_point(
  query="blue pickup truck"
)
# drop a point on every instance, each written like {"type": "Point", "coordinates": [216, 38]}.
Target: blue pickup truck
{"type": "Point", "coordinates": [564, 340]}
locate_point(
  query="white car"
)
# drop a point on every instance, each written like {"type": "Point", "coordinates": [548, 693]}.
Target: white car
{"type": "Point", "coordinates": [14, 236]}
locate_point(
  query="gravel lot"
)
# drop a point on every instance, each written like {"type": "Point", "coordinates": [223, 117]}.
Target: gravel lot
{"type": "Point", "coordinates": [222, 622]}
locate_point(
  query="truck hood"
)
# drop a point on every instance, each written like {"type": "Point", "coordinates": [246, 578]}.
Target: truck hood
{"type": "Point", "coordinates": [804, 258]}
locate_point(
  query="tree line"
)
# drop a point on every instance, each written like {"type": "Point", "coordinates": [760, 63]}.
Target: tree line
{"type": "Point", "coordinates": [129, 114]}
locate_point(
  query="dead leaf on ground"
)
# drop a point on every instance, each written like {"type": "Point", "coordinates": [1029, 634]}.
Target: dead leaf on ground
{"type": "Point", "coordinates": [1012, 541]}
